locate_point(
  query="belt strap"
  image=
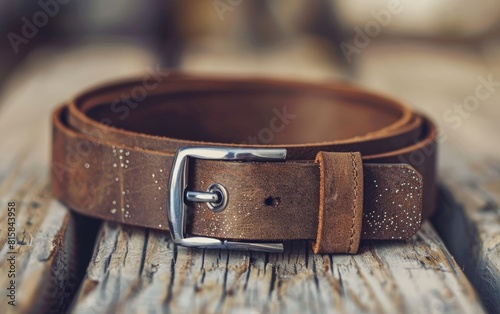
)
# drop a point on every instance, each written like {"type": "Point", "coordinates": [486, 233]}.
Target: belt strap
{"type": "Point", "coordinates": [374, 175]}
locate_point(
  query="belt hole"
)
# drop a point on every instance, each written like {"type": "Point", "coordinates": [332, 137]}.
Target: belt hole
{"type": "Point", "coordinates": [273, 201]}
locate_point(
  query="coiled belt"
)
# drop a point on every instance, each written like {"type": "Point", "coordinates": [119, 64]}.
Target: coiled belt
{"type": "Point", "coordinates": [246, 163]}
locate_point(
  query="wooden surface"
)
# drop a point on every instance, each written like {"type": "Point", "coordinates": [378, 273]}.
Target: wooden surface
{"type": "Point", "coordinates": [469, 202]}
{"type": "Point", "coordinates": [470, 205]}
{"type": "Point", "coordinates": [133, 270]}
{"type": "Point", "coordinates": [136, 271]}
{"type": "Point", "coordinates": [45, 240]}
{"type": "Point", "coordinates": [50, 262]}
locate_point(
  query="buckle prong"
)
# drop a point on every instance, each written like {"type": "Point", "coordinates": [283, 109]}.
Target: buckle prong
{"type": "Point", "coordinates": [216, 196]}
{"type": "Point", "coordinates": [206, 197]}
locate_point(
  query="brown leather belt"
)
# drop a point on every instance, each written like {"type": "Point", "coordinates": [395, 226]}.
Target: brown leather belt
{"type": "Point", "coordinates": [258, 161]}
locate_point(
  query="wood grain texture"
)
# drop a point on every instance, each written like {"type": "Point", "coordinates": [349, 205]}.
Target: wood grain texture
{"type": "Point", "coordinates": [470, 225]}
{"type": "Point", "coordinates": [45, 263]}
{"type": "Point", "coordinates": [139, 271]}
{"type": "Point", "coordinates": [49, 262]}
{"type": "Point", "coordinates": [469, 216]}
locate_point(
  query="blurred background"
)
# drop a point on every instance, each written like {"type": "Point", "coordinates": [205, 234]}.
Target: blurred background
{"type": "Point", "coordinates": [237, 35]}
{"type": "Point", "coordinates": [429, 53]}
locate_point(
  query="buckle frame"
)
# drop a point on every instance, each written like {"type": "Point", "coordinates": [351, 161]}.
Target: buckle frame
{"type": "Point", "coordinates": [176, 207]}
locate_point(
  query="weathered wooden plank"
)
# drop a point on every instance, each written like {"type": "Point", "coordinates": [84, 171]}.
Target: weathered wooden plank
{"type": "Point", "coordinates": [44, 239]}
{"type": "Point", "coordinates": [44, 245]}
{"type": "Point", "coordinates": [470, 225]}
{"type": "Point", "coordinates": [138, 271]}
{"type": "Point", "coordinates": [49, 258]}
{"type": "Point", "coordinates": [437, 80]}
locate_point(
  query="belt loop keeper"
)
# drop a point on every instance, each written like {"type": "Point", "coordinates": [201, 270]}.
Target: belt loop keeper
{"type": "Point", "coordinates": [341, 203]}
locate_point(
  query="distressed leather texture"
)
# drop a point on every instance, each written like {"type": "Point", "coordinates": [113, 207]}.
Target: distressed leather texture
{"type": "Point", "coordinates": [340, 209]}
{"type": "Point", "coordinates": [113, 148]}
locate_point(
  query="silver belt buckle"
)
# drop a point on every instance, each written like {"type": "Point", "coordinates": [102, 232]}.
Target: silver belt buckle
{"type": "Point", "coordinates": [177, 194]}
